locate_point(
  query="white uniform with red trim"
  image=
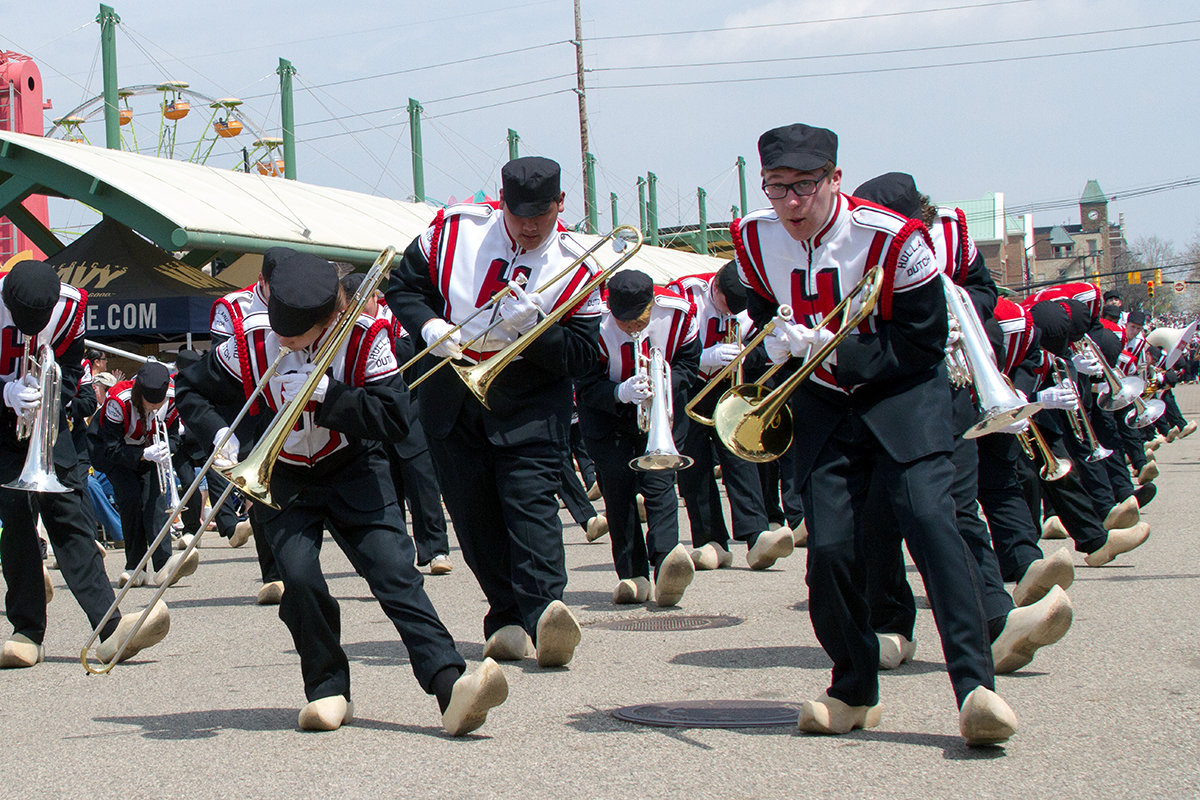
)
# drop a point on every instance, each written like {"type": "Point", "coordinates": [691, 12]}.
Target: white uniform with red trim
{"type": "Point", "coordinates": [136, 428]}
{"type": "Point", "coordinates": [1083, 291]}
{"type": "Point", "coordinates": [712, 326]}
{"type": "Point", "coordinates": [1017, 327]}
{"type": "Point", "coordinates": [65, 326]}
{"type": "Point", "coordinates": [1132, 356]}
{"type": "Point", "coordinates": [812, 275]}
{"type": "Point", "coordinates": [953, 246]}
{"type": "Point", "coordinates": [229, 311]}
{"type": "Point", "coordinates": [672, 325]}
{"type": "Point", "coordinates": [365, 357]}
{"type": "Point", "coordinates": [463, 236]}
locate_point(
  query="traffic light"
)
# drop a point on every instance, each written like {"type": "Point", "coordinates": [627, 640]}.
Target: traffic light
{"type": "Point", "coordinates": [1158, 276]}
{"type": "Point", "coordinates": [1150, 288]}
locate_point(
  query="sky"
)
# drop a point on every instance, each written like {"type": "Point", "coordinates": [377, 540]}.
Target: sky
{"type": "Point", "coordinates": [1031, 98]}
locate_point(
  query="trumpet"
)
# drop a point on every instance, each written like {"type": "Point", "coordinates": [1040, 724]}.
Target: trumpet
{"type": "Point", "coordinates": [734, 368]}
{"type": "Point", "coordinates": [972, 361]}
{"type": "Point", "coordinates": [477, 384]}
{"type": "Point", "coordinates": [755, 424]}
{"type": "Point", "coordinates": [1053, 468]}
{"type": "Point", "coordinates": [1118, 391]}
{"type": "Point", "coordinates": [37, 475]}
{"type": "Point", "coordinates": [733, 335]}
{"type": "Point", "coordinates": [655, 414]}
{"type": "Point", "coordinates": [1081, 426]}
{"type": "Point", "coordinates": [166, 472]}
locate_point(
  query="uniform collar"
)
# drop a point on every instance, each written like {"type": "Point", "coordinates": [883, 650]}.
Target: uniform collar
{"type": "Point", "coordinates": [838, 217]}
{"type": "Point", "coordinates": [516, 249]}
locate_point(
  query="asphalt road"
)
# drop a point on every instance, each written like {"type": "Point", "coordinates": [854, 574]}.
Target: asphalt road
{"type": "Point", "coordinates": [1113, 710]}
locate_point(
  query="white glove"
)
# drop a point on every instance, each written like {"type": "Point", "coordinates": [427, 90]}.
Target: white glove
{"type": "Point", "coordinates": [953, 334]}
{"type": "Point", "coordinates": [435, 329]}
{"type": "Point", "coordinates": [227, 456]}
{"type": "Point", "coordinates": [289, 385]}
{"type": "Point", "coordinates": [1088, 364]}
{"type": "Point", "coordinates": [800, 340]}
{"type": "Point", "coordinates": [718, 355]}
{"type": "Point", "coordinates": [1020, 426]}
{"type": "Point", "coordinates": [778, 345]}
{"type": "Point", "coordinates": [1058, 397]}
{"type": "Point", "coordinates": [158, 453]}
{"type": "Point", "coordinates": [635, 390]}
{"type": "Point", "coordinates": [520, 310]}
{"type": "Point", "coordinates": [21, 397]}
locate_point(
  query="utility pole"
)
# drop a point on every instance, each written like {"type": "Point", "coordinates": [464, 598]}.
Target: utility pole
{"type": "Point", "coordinates": [652, 207]}
{"type": "Point", "coordinates": [613, 197]}
{"type": "Point", "coordinates": [589, 191]}
{"type": "Point", "coordinates": [514, 151]}
{"type": "Point", "coordinates": [418, 163]}
{"type": "Point", "coordinates": [702, 233]}
{"type": "Point", "coordinates": [741, 168]}
{"type": "Point", "coordinates": [108, 20]}
{"type": "Point", "coordinates": [288, 113]}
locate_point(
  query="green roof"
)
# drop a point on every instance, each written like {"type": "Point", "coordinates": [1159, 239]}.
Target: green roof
{"type": "Point", "coordinates": [1092, 193]}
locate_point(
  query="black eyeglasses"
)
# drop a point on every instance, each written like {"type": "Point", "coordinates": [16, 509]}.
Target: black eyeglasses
{"type": "Point", "coordinates": [804, 188]}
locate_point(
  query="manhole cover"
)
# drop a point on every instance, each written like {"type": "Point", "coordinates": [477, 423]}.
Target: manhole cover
{"type": "Point", "coordinates": [712, 714]}
{"type": "Point", "coordinates": [670, 622]}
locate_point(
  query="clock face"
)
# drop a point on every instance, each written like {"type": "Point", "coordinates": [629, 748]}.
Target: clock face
{"type": "Point", "coordinates": [1093, 214]}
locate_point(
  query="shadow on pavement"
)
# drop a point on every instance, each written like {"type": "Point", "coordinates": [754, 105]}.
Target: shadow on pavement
{"type": "Point", "coordinates": [953, 747]}
{"type": "Point", "coordinates": [207, 724]}
{"type": "Point", "coordinates": [599, 720]}
{"type": "Point", "coordinates": [803, 656]}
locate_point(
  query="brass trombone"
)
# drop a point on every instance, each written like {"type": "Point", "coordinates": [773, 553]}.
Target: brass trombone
{"type": "Point", "coordinates": [1118, 391]}
{"type": "Point", "coordinates": [479, 377]}
{"type": "Point", "coordinates": [754, 423]}
{"type": "Point", "coordinates": [734, 368]}
{"type": "Point", "coordinates": [495, 299]}
{"type": "Point", "coordinates": [252, 477]}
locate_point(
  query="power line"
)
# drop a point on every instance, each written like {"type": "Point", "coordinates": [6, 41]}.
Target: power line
{"type": "Point", "coordinates": [909, 68]}
{"type": "Point", "coordinates": [853, 18]}
{"type": "Point", "coordinates": [895, 51]}
{"type": "Point", "coordinates": [1052, 205]}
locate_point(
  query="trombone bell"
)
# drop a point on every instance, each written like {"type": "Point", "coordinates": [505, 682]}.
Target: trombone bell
{"type": "Point", "coordinates": [745, 432]}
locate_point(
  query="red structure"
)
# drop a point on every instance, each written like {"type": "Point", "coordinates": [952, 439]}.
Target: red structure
{"type": "Point", "coordinates": [21, 107]}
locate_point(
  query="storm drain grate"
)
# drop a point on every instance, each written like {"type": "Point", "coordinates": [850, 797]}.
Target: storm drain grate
{"type": "Point", "coordinates": [712, 714]}
{"type": "Point", "coordinates": [670, 622]}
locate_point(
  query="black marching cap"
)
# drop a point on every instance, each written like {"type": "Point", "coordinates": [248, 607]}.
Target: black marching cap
{"type": "Point", "coordinates": [1112, 294]}
{"type": "Point", "coordinates": [629, 292]}
{"type": "Point", "coordinates": [304, 292]}
{"type": "Point", "coordinates": [531, 185]}
{"type": "Point", "coordinates": [731, 286]}
{"type": "Point", "coordinates": [1137, 318]}
{"type": "Point", "coordinates": [894, 190]}
{"type": "Point", "coordinates": [153, 378]}
{"type": "Point", "coordinates": [1053, 324]}
{"type": "Point", "coordinates": [31, 290]}
{"type": "Point", "coordinates": [801, 147]}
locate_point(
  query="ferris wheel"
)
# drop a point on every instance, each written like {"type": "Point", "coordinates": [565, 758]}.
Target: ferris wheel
{"type": "Point", "coordinates": [169, 120]}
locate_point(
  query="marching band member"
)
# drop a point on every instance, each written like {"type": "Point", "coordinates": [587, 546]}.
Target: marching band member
{"type": "Point", "coordinates": [331, 469]}
{"type": "Point", "coordinates": [36, 304]}
{"type": "Point", "coordinates": [226, 321]}
{"type": "Point", "coordinates": [1077, 512]}
{"type": "Point", "coordinates": [1015, 633]}
{"type": "Point", "coordinates": [124, 447]}
{"type": "Point", "coordinates": [411, 465]}
{"type": "Point", "coordinates": [879, 407]}
{"type": "Point", "coordinates": [639, 317]}
{"type": "Point", "coordinates": [500, 466]}
{"type": "Point", "coordinates": [720, 301]}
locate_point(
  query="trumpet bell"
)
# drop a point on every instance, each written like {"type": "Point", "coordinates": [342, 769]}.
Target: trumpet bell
{"type": "Point", "coordinates": [35, 480]}
{"type": "Point", "coordinates": [1062, 468]}
{"type": "Point", "coordinates": [747, 434]}
{"type": "Point", "coordinates": [1100, 453]}
{"type": "Point", "coordinates": [479, 377]}
{"type": "Point", "coordinates": [996, 419]}
{"type": "Point", "coordinates": [1131, 387]}
{"type": "Point", "coordinates": [1145, 413]}
{"type": "Point", "coordinates": [657, 460]}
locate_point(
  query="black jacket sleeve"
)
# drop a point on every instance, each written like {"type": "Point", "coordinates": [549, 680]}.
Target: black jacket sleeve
{"type": "Point", "coordinates": [911, 342]}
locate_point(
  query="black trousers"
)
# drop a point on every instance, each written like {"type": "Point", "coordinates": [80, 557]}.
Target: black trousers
{"type": "Point", "coordinates": [587, 467]}
{"type": "Point", "coordinates": [375, 542]}
{"type": "Point", "coordinates": [267, 565]}
{"type": "Point", "coordinates": [1133, 440]}
{"type": "Point", "coordinates": [781, 491]}
{"type": "Point", "coordinates": [227, 515]}
{"type": "Point", "coordinates": [503, 502]}
{"type": "Point", "coordinates": [634, 554]}
{"type": "Point", "coordinates": [1066, 498]}
{"type": "Point", "coordinates": [747, 511]}
{"type": "Point", "coordinates": [919, 493]}
{"type": "Point", "coordinates": [888, 588]}
{"type": "Point", "coordinates": [1014, 534]}
{"type": "Point", "coordinates": [1173, 415]}
{"type": "Point", "coordinates": [1092, 475]}
{"type": "Point", "coordinates": [143, 513]}
{"type": "Point", "coordinates": [573, 495]}
{"type": "Point", "coordinates": [416, 484]}
{"type": "Point", "coordinates": [1114, 465]}
{"type": "Point", "coordinates": [72, 534]}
